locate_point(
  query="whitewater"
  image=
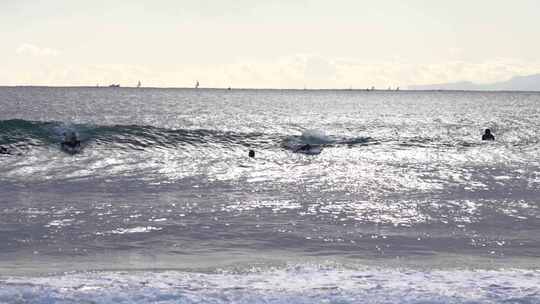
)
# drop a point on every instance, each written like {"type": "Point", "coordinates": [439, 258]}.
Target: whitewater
{"type": "Point", "coordinates": [404, 203]}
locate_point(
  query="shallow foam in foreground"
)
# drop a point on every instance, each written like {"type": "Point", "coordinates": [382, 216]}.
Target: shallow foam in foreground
{"type": "Point", "coordinates": [294, 284]}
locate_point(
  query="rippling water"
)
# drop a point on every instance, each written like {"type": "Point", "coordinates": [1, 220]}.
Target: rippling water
{"type": "Point", "coordinates": [403, 192]}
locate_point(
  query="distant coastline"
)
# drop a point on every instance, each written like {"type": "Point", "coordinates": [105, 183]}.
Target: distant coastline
{"type": "Point", "coordinates": [529, 83]}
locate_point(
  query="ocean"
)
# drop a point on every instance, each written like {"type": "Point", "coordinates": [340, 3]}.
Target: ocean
{"type": "Point", "coordinates": [162, 204]}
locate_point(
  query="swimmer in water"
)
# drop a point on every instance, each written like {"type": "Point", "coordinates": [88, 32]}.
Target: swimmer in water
{"type": "Point", "coordinates": [251, 153]}
{"type": "Point", "coordinates": [487, 135]}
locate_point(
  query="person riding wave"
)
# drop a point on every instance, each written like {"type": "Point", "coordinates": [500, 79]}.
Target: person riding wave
{"type": "Point", "coordinates": [71, 141]}
{"type": "Point", "coordinates": [305, 147]}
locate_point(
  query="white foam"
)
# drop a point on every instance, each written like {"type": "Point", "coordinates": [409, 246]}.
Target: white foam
{"type": "Point", "coordinates": [315, 137]}
{"type": "Point", "coordinates": [299, 284]}
{"type": "Point", "coordinates": [134, 230]}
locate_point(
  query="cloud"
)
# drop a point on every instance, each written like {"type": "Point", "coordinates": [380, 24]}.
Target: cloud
{"type": "Point", "coordinates": [33, 50]}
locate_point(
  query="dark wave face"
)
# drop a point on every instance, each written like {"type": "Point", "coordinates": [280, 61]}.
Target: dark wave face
{"type": "Point", "coordinates": [19, 132]}
{"type": "Point", "coordinates": [163, 179]}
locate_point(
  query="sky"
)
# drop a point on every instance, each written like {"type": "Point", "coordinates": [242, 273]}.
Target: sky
{"type": "Point", "coordinates": [267, 44]}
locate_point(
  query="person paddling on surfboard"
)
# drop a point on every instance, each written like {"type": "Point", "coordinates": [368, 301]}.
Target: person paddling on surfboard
{"type": "Point", "coordinates": [4, 150]}
{"type": "Point", "coordinates": [71, 141]}
{"type": "Point", "coordinates": [305, 147]}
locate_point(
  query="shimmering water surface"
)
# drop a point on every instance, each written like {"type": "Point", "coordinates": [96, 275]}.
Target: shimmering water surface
{"type": "Point", "coordinates": [164, 183]}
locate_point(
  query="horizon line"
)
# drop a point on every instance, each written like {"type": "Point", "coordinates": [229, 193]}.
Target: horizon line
{"type": "Point", "coordinates": [262, 88]}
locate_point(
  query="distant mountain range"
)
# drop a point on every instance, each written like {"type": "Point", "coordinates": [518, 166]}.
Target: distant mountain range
{"type": "Point", "coordinates": [518, 83]}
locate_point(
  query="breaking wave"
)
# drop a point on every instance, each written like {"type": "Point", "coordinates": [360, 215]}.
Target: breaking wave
{"type": "Point", "coordinates": [21, 135]}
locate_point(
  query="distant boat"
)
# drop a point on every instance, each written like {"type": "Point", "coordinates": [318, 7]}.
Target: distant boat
{"type": "Point", "coordinates": [139, 84]}
{"type": "Point", "coordinates": [114, 86]}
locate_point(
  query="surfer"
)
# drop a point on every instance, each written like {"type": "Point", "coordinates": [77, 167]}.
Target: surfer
{"type": "Point", "coordinates": [251, 153]}
{"type": "Point", "coordinates": [304, 148]}
{"type": "Point", "coordinates": [71, 142]}
{"type": "Point", "coordinates": [487, 135]}
{"type": "Point", "coordinates": [308, 149]}
{"type": "Point", "coordinates": [4, 150]}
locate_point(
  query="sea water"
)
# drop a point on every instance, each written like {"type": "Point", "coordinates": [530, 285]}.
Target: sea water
{"type": "Point", "coordinates": [404, 204]}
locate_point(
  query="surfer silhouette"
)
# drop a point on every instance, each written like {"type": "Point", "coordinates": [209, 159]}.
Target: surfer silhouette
{"type": "Point", "coordinates": [305, 147]}
{"type": "Point", "coordinates": [487, 135]}
{"type": "Point", "coordinates": [4, 150]}
{"type": "Point", "coordinates": [251, 153]}
{"type": "Point", "coordinates": [71, 141]}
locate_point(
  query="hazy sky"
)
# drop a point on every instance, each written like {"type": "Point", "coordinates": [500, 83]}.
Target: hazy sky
{"type": "Point", "coordinates": [273, 43]}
